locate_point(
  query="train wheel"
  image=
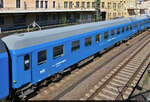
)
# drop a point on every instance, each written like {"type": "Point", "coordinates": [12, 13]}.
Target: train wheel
{"type": "Point", "coordinates": [57, 77]}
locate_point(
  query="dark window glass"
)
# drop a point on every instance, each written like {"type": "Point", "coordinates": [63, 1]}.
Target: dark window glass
{"type": "Point", "coordinates": [112, 32]}
{"type": "Point", "coordinates": [106, 35]}
{"type": "Point", "coordinates": [46, 4]}
{"type": "Point", "coordinates": [93, 4]}
{"type": "Point", "coordinates": [88, 4]}
{"type": "Point", "coordinates": [70, 4]}
{"type": "Point", "coordinates": [130, 27]}
{"type": "Point", "coordinates": [83, 4]}
{"type": "Point", "coordinates": [88, 41]}
{"type": "Point", "coordinates": [58, 51]}
{"type": "Point", "coordinates": [37, 3]}
{"type": "Point", "coordinates": [1, 20]}
{"type": "Point", "coordinates": [123, 29]}
{"type": "Point", "coordinates": [42, 57]}
{"type": "Point", "coordinates": [118, 31]}
{"type": "Point", "coordinates": [19, 20]}
{"type": "Point", "coordinates": [127, 28]}
{"type": "Point", "coordinates": [26, 62]}
{"type": "Point", "coordinates": [98, 38]}
{"type": "Point", "coordinates": [77, 4]}
{"type": "Point", "coordinates": [134, 25]}
{"type": "Point", "coordinates": [41, 4]}
{"type": "Point", "coordinates": [103, 4]}
{"type": "Point", "coordinates": [53, 4]}
{"type": "Point", "coordinates": [17, 3]}
{"type": "Point", "coordinates": [42, 18]}
{"type": "Point", "coordinates": [1, 4]}
{"type": "Point", "coordinates": [65, 4]}
{"type": "Point", "coordinates": [75, 45]}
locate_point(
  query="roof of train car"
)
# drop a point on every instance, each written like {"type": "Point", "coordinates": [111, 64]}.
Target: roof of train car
{"type": "Point", "coordinates": [23, 40]}
{"type": "Point", "coordinates": [2, 47]}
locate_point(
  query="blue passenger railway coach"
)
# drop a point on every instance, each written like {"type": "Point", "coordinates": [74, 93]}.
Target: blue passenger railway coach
{"type": "Point", "coordinates": [28, 59]}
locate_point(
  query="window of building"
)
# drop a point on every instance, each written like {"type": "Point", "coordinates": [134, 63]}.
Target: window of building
{"type": "Point", "coordinates": [103, 4]}
{"type": "Point", "coordinates": [37, 3]}
{"type": "Point", "coordinates": [114, 14]}
{"type": "Point", "coordinates": [83, 4]}
{"type": "Point", "coordinates": [130, 27]}
{"type": "Point", "coordinates": [119, 5]}
{"type": "Point", "coordinates": [134, 25]}
{"type": "Point", "coordinates": [88, 41]}
{"type": "Point", "coordinates": [42, 57]}
{"type": "Point", "coordinates": [42, 4]}
{"type": "Point", "coordinates": [75, 45]}
{"type": "Point", "coordinates": [58, 51]}
{"type": "Point", "coordinates": [93, 4]}
{"type": "Point", "coordinates": [118, 31]}
{"type": "Point", "coordinates": [109, 5]}
{"type": "Point", "coordinates": [26, 62]}
{"type": "Point", "coordinates": [46, 4]}
{"type": "Point", "coordinates": [54, 4]}
{"type": "Point", "coordinates": [1, 20]}
{"type": "Point", "coordinates": [123, 29]}
{"type": "Point", "coordinates": [42, 18]}
{"type": "Point", "coordinates": [88, 4]}
{"type": "Point", "coordinates": [77, 4]}
{"type": "Point", "coordinates": [70, 4]}
{"type": "Point", "coordinates": [138, 24]}
{"type": "Point", "coordinates": [98, 38]}
{"type": "Point", "coordinates": [1, 4]}
{"type": "Point", "coordinates": [106, 35]}
{"type": "Point", "coordinates": [65, 4]}
{"type": "Point", "coordinates": [114, 6]}
{"type": "Point", "coordinates": [127, 28]}
{"type": "Point", "coordinates": [19, 20]}
{"type": "Point", "coordinates": [112, 32]}
{"type": "Point", "coordinates": [17, 3]}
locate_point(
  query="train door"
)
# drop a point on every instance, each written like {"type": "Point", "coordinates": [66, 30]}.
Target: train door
{"type": "Point", "coordinates": [28, 66]}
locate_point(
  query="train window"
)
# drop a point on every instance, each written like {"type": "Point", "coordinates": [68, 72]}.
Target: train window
{"type": "Point", "coordinates": [106, 35]}
{"type": "Point", "coordinates": [134, 25]}
{"type": "Point", "coordinates": [118, 31]}
{"type": "Point", "coordinates": [130, 27]}
{"type": "Point", "coordinates": [58, 51]}
{"type": "Point", "coordinates": [42, 57]}
{"type": "Point", "coordinates": [88, 41]}
{"type": "Point", "coordinates": [26, 62]}
{"type": "Point", "coordinates": [127, 28]}
{"type": "Point", "coordinates": [112, 32]}
{"type": "Point", "coordinates": [123, 29]}
{"type": "Point", "coordinates": [75, 45]}
{"type": "Point", "coordinates": [98, 38]}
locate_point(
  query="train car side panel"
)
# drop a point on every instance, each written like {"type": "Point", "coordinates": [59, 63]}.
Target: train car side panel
{"type": "Point", "coordinates": [4, 71]}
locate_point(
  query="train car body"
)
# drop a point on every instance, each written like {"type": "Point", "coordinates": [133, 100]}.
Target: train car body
{"type": "Point", "coordinates": [4, 71]}
{"type": "Point", "coordinates": [38, 55]}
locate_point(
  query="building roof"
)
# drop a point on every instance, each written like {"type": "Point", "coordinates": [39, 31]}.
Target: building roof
{"type": "Point", "coordinates": [23, 40]}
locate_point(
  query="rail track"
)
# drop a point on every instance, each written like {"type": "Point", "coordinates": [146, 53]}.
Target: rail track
{"type": "Point", "coordinates": [119, 83]}
{"type": "Point", "coordinates": [43, 94]}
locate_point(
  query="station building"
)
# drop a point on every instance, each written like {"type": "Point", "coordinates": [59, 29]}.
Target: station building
{"type": "Point", "coordinates": [18, 14]}
{"type": "Point", "coordinates": [144, 7]}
